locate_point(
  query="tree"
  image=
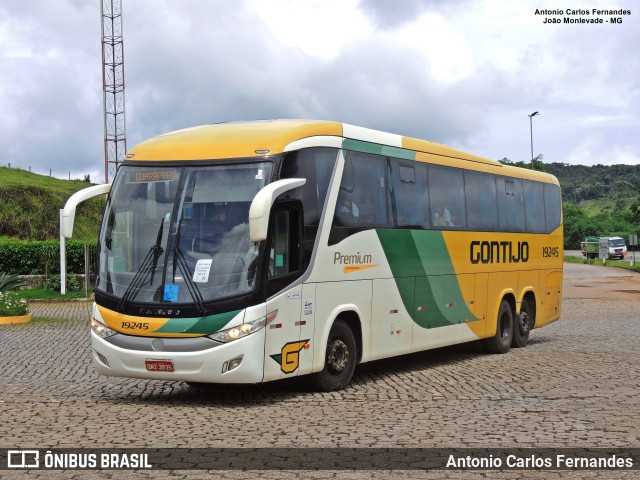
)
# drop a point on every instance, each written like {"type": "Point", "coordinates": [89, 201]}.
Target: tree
{"type": "Point", "coordinates": [537, 163]}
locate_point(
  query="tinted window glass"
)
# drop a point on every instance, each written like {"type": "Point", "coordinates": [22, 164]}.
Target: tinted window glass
{"type": "Point", "coordinates": [480, 193]}
{"type": "Point", "coordinates": [362, 196]}
{"type": "Point", "coordinates": [316, 166]}
{"type": "Point", "coordinates": [446, 193]}
{"type": "Point", "coordinates": [552, 206]}
{"type": "Point", "coordinates": [409, 195]}
{"type": "Point", "coordinates": [510, 204]}
{"type": "Point", "coordinates": [534, 206]}
{"type": "Point", "coordinates": [164, 225]}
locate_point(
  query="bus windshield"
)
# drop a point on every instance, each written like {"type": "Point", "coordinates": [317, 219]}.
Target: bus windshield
{"type": "Point", "coordinates": [180, 235]}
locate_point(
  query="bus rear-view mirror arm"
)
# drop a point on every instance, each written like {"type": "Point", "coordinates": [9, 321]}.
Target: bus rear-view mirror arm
{"type": "Point", "coordinates": [261, 206]}
{"type": "Point", "coordinates": [69, 212]}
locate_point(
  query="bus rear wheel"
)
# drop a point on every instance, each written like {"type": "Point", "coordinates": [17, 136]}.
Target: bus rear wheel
{"type": "Point", "coordinates": [339, 359]}
{"type": "Point", "coordinates": [523, 325]}
{"type": "Point", "coordinates": [501, 341]}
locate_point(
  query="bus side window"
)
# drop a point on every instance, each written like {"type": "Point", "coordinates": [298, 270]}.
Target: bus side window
{"type": "Point", "coordinates": [510, 204]}
{"type": "Point", "coordinates": [446, 192]}
{"type": "Point", "coordinates": [280, 246]}
{"type": "Point", "coordinates": [480, 193]}
{"type": "Point", "coordinates": [552, 207]}
{"type": "Point", "coordinates": [534, 206]}
{"type": "Point", "coordinates": [285, 259]}
{"type": "Point", "coordinates": [362, 199]}
{"type": "Point", "coordinates": [409, 194]}
{"type": "Point", "coordinates": [316, 166]}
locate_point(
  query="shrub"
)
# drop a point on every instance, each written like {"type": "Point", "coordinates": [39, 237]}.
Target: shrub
{"type": "Point", "coordinates": [53, 283]}
{"type": "Point", "coordinates": [9, 283]}
{"type": "Point", "coordinates": [29, 258]}
{"type": "Point", "coordinates": [11, 305]}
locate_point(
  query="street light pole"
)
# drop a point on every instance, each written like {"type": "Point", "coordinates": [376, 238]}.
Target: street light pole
{"type": "Point", "coordinates": [531, 130]}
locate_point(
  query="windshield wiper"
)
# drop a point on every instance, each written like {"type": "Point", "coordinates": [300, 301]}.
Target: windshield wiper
{"type": "Point", "coordinates": [147, 269]}
{"type": "Point", "coordinates": [181, 263]}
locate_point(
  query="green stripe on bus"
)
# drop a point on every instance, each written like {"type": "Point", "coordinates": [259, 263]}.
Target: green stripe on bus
{"type": "Point", "coordinates": [377, 149]}
{"type": "Point", "coordinates": [199, 325]}
{"type": "Point", "coordinates": [434, 298]}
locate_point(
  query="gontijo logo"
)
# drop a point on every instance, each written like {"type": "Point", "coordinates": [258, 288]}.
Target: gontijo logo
{"type": "Point", "coordinates": [353, 262]}
{"type": "Point", "coordinates": [498, 252]}
{"type": "Point", "coordinates": [289, 356]}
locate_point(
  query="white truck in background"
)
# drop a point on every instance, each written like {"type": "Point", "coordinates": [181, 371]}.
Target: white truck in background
{"type": "Point", "coordinates": [617, 247]}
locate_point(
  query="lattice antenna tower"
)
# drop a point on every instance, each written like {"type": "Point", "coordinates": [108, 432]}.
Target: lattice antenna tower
{"type": "Point", "coordinates": [115, 140]}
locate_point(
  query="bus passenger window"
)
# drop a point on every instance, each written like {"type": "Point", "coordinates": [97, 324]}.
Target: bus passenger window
{"type": "Point", "coordinates": [510, 204]}
{"type": "Point", "coordinates": [446, 192]}
{"type": "Point", "coordinates": [534, 206]}
{"type": "Point", "coordinates": [362, 198]}
{"type": "Point", "coordinates": [408, 192]}
{"type": "Point", "coordinates": [552, 207]}
{"type": "Point", "coordinates": [480, 193]}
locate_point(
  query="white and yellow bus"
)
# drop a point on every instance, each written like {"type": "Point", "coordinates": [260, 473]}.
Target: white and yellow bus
{"type": "Point", "coordinates": [251, 252]}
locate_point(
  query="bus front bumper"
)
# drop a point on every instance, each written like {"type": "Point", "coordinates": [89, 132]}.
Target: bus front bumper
{"type": "Point", "coordinates": [206, 366]}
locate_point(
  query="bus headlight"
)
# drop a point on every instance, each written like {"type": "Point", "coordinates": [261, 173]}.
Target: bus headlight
{"type": "Point", "coordinates": [234, 333]}
{"type": "Point", "coordinates": [101, 329]}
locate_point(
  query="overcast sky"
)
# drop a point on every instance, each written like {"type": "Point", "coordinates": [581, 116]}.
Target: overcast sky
{"type": "Point", "coordinates": [465, 73]}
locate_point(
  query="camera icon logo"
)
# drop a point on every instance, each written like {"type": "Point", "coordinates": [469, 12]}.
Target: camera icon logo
{"type": "Point", "coordinates": [23, 459]}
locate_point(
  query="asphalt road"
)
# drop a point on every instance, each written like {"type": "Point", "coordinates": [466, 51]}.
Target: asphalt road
{"type": "Point", "coordinates": [575, 385]}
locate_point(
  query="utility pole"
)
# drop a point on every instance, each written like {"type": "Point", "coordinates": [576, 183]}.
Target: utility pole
{"type": "Point", "coordinates": [115, 141]}
{"type": "Point", "coordinates": [531, 130]}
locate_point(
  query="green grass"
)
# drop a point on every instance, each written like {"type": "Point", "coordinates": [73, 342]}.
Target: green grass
{"type": "Point", "coordinates": [42, 294]}
{"type": "Point", "coordinates": [607, 263]}
{"type": "Point", "coordinates": [42, 320]}
{"type": "Point", "coordinates": [17, 176]}
{"type": "Point", "coordinates": [592, 208]}
{"type": "Point", "coordinates": [31, 203]}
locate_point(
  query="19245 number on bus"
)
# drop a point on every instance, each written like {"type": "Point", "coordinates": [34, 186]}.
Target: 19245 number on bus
{"type": "Point", "coordinates": [135, 325]}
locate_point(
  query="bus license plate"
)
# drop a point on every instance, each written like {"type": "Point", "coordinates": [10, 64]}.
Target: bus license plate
{"type": "Point", "coordinates": [159, 365]}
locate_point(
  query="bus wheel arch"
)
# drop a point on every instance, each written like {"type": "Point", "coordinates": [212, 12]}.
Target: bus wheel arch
{"type": "Point", "coordinates": [342, 352]}
{"type": "Point", "coordinates": [501, 342]}
{"type": "Point", "coordinates": [525, 321]}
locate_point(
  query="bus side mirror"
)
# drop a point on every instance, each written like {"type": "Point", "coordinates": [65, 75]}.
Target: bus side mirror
{"type": "Point", "coordinates": [261, 206]}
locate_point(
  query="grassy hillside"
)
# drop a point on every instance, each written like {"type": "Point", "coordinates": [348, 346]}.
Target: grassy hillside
{"type": "Point", "coordinates": [30, 205]}
{"type": "Point", "coordinates": [597, 189]}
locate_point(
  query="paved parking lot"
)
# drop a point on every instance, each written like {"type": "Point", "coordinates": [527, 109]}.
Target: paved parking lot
{"type": "Point", "coordinates": [575, 385]}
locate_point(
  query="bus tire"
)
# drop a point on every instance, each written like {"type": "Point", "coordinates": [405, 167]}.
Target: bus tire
{"type": "Point", "coordinates": [501, 341]}
{"type": "Point", "coordinates": [523, 324]}
{"type": "Point", "coordinates": [339, 360]}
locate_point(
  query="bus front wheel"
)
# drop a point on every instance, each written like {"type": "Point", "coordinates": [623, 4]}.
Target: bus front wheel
{"type": "Point", "coordinates": [501, 341]}
{"type": "Point", "coordinates": [339, 359]}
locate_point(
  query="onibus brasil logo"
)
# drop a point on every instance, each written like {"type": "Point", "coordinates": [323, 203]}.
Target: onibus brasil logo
{"type": "Point", "coordinates": [289, 356]}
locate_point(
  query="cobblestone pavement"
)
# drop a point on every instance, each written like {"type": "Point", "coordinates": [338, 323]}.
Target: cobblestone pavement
{"type": "Point", "coordinates": [575, 385]}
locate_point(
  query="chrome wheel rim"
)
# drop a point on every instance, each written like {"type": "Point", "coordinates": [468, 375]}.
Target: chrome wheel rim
{"type": "Point", "coordinates": [337, 357]}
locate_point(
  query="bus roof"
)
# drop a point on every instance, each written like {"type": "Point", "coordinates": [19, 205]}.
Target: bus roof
{"type": "Point", "coordinates": [270, 137]}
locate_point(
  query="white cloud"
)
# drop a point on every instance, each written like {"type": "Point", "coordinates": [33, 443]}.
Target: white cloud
{"type": "Point", "coordinates": [318, 28]}
{"type": "Point", "coordinates": [594, 151]}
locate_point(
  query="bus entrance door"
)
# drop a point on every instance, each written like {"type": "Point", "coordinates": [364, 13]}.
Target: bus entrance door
{"type": "Point", "coordinates": [287, 349]}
